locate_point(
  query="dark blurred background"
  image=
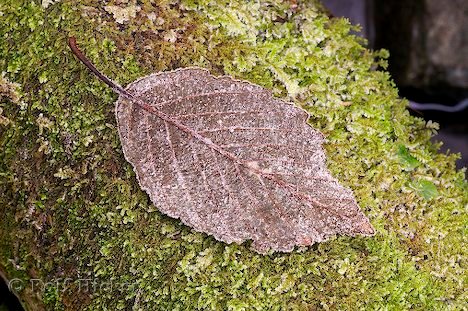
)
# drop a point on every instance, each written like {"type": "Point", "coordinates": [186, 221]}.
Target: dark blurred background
{"type": "Point", "coordinates": [8, 302]}
{"type": "Point", "coordinates": [428, 44]}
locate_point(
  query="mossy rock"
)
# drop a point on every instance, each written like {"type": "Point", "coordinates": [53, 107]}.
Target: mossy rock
{"type": "Point", "coordinates": [72, 209]}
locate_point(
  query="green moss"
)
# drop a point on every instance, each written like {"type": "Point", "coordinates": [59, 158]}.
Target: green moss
{"type": "Point", "coordinates": [73, 208]}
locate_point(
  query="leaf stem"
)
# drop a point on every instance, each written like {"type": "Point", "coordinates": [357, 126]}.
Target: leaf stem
{"type": "Point", "coordinates": [115, 86]}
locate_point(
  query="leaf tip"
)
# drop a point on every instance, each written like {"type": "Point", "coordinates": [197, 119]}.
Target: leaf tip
{"type": "Point", "coordinates": [365, 228]}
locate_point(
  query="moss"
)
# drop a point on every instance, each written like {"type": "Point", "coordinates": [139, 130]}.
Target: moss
{"type": "Point", "coordinates": [73, 208]}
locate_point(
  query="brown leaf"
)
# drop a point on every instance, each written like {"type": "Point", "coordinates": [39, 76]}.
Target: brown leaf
{"type": "Point", "coordinates": [229, 159]}
{"type": "Point", "coordinates": [260, 175]}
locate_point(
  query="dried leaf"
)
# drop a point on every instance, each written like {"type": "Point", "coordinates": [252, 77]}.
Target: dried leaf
{"type": "Point", "coordinates": [228, 159]}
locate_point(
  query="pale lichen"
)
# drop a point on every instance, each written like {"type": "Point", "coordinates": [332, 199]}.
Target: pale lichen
{"type": "Point", "coordinates": [123, 14]}
{"type": "Point", "coordinates": [8, 89]}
